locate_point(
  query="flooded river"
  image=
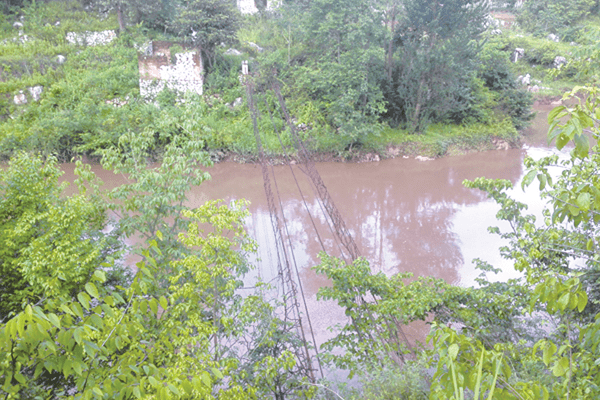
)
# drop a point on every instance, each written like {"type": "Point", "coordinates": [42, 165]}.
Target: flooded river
{"type": "Point", "coordinates": [404, 214]}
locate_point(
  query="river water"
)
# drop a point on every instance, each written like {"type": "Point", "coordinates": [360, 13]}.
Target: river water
{"type": "Point", "coordinates": [404, 214]}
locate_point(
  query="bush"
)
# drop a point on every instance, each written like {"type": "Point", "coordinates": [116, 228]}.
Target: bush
{"type": "Point", "coordinates": [561, 17]}
{"type": "Point", "coordinates": [408, 382]}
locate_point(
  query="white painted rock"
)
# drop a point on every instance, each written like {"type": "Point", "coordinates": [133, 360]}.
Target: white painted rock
{"type": "Point", "coordinates": [20, 98]}
{"type": "Point", "coordinates": [518, 53]}
{"type": "Point", "coordinates": [525, 80]}
{"type": "Point", "coordinates": [256, 47]}
{"type": "Point", "coordinates": [423, 158]}
{"type": "Point", "coordinates": [233, 52]}
{"type": "Point", "coordinates": [36, 92]}
{"type": "Point", "coordinates": [559, 60]}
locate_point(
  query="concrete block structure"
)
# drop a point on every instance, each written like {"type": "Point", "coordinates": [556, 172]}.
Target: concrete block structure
{"type": "Point", "coordinates": [160, 67]}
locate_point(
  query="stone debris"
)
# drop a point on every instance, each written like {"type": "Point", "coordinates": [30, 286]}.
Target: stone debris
{"type": "Point", "coordinates": [89, 38]}
{"type": "Point", "coordinates": [61, 59]}
{"type": "Point", "coordinates": [256, 47]}
{"type": "Point", "coordinates": [36, 92]}
{"type": "Point", "coordinates": [553, 37]}
{"type": "Point", "coordinates": [393, 151]}
{"type": "Point", "coordinates": [144, 48]}
{"type": "Point", "coordinates": [118, 102]}
{"type": "Point", "coordinates": [423, 158]}
{"type": "Point", "coordinates": [536, 88]}
{"type": "Point", "coordinates": [524, 80]}
{"type": "Point", "coordinates": [20, 98]}
{"type": "Point", "coordinates": [491, 22]}
{"type": "Point", "coordinates": [17, 25]}
{"type": "Point", "coordinates": [249, 6]}
{"type": "Point", "coordinates": [501, 144]}
{"type": "Point", "coordinates": [233, 52]}
{"type": "Point", "coordinates": [559, 60]}
{"type": "Point", "coordinates": [518, 53]}
{"type": "Point", "coordinates": [236, 103]}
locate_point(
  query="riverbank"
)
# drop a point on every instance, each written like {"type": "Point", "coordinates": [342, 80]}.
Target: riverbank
{"type": "Point", "coordinates": [439, 141]}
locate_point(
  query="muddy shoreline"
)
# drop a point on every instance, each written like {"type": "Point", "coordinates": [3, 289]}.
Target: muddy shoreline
{"type": "Point", "coordinates": [407, 150]}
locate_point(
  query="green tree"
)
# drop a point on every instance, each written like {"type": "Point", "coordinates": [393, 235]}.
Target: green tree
{"type": "Point", "coordinates": [206, 24]}
{"type": "Point", "coordinates": [560, 263]}
{"type": "Point", "coordinates": [152, 200]}
{"type": "Point", "coordinates": [139, 345]}
{"type": "Point", "coordinates": [561, 17]}
{"type": "Point", "coordinates": [437, 45]}
{"type": "Point", "coordinates": [49, 244]}
{"type": "Point", "coordinates": [152, 12]}
{"type": "Point", "coordinates": [343, 65]}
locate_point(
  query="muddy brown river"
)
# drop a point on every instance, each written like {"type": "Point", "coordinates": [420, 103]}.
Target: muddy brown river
{"type": "Point", "coordinates": [404, 214]}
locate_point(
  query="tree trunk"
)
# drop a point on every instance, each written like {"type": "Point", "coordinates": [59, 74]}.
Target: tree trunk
{"type": "Point", "coordinates": [390, 55]}
{"type": "Point", "coordinates": [120, 18]}
{"type": "Point", "coordinates": [415, 118]}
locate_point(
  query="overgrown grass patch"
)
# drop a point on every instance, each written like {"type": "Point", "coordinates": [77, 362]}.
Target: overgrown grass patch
{"type": "Point", "coordinates": [440, 138]}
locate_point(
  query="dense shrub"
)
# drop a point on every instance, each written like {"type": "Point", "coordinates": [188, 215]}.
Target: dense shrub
{"type": "Point", "coordinates": [561, 17]}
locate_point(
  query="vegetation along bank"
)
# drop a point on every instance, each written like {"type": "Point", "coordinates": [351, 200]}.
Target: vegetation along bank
{"type": "Point", "coordinates": [356, 76]}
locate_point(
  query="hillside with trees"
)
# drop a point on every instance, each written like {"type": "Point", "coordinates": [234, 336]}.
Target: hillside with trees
{"type": "Point", "coordinates": [356, 75]}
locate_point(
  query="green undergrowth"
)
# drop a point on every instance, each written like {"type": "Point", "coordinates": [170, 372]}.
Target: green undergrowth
{"type": "Point", "coordinates": [446, 139]}
{"type": "Point", "coordinates": [540, 53]}
{"type": "Point", "coordinates": [77, 115]}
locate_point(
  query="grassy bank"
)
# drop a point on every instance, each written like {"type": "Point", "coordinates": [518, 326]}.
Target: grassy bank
{"type": "Point", "coordinates": [91, 96]}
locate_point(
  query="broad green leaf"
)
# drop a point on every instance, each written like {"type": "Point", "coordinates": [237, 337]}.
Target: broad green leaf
{"type": "Point", "coordinates": [547, 353]}
{"type": "Point", "coordinates": [562, 140]}
{"type": "Point", "coordinates": [163, 302]}
{"type": "Point", "coordinates": [582, 301]}
{"type": "Point", "coordinates": [77, 335]}
{"type": "Point", "coordinates": [528, 178]}
{"type": "Point", "coordinates": [77, 367]}
{"type": "Point", "coordinates": [564, 301]}
{"type": "Point", "coordinates": [54, 320]}
{"type": "Point", "coordinates": [153, 306]}
{"type": "Point", "coordinates": [153, 381]}
{"type": "Point", "coordinates": [561, 367]}
{"type": "Point", "coordinates": [453, 351]}
{"type": "Point", "coordinates": [582, 145]}
{"type": "Point", "coordinates": [554, 113]}
{"type": "Point", "coordinates": [542, 179]}
{"type": "Point", "coordinates": [20, 323]}
{"type": "Point", "coordinates": [553, 133]}
{"type": "Point", "coordinates": [206, 379]}
{"type": "Point", "coordinates": [173, 389]}
{"type": "Point", "coordinates": [84, 299]}
{"type": "Point", "coordinates": [217, 373]}
{"type": "Point", "coordinates": [100, 275]}
{"type": "Point", "coordinates": [584, 201]}
{"type": "Point", "coordinates": [91, 289]}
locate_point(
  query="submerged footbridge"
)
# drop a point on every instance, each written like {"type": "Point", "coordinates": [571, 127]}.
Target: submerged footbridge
{"type": "Point", "coordinates": [295, 311]}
